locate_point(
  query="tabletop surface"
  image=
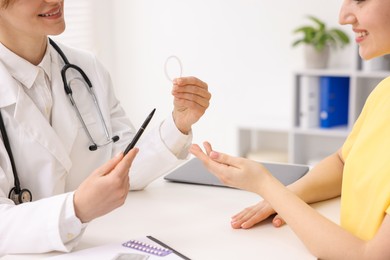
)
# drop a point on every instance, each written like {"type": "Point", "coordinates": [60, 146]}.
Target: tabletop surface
{"type": "Point", "coordinates": [195, 221]}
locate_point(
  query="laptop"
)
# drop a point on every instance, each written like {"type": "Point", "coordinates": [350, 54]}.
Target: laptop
{"type": "Point", "coordinates": [193, 172]}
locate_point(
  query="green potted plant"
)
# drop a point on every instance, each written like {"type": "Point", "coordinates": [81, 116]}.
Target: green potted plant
{"type": "Point", "coordinates": [318, 39]}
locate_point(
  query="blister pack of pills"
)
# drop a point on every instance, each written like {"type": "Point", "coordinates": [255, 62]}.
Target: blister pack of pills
{"type": "Point", "coordinates": [147, 248]}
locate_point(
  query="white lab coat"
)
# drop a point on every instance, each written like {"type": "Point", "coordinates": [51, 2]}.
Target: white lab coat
{"type": "Point", "coordinates": [52, 160]}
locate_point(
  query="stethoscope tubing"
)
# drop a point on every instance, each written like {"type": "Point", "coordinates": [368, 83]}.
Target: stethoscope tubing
{"type": "Point", "coordinates": [9, 151]}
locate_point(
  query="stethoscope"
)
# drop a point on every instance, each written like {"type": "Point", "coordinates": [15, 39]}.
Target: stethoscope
{"type": "Point", "coordinates": [19, 195]}
{"type": "Point", "coordinates": [68, 90]}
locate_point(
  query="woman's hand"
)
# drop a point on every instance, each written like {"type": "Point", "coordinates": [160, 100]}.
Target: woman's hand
{"type": "Point", "coordinates": [252, 215]}
{"type": "Point", "coordinates": [233, 171]}
{"type": "Point", "coordinates": [191, 99]}
{"type": "Point", "coordinates": [240, 173]}
{"type": "Point", "coordinates": [105, 189]}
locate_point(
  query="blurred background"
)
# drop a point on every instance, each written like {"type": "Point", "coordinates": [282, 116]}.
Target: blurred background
{"type": "Point", "coordinates": [241, 48]}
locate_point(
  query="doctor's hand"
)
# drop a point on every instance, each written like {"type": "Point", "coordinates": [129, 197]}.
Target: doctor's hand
{"type": "Point", "coordinates": [191, 99]}
{"type": "Point", "coordinates": [105, 189]}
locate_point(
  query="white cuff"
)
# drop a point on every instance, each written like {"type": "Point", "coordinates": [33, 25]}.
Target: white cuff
{"type": "Point", "coordinates": [174, 140]}
{"type": "Point", "coordinates": [70, 225]}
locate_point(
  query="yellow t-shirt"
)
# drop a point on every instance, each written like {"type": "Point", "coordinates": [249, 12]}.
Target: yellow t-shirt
{"type": "Point", "coordinates": [365, 197]}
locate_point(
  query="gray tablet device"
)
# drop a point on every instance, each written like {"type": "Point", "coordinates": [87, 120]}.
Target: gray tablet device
{"type": "Point", "coordinates": [193, 172]}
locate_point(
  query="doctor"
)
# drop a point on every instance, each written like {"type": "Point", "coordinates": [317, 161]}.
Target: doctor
{"type": "Point", "coordinates": [70, 184]}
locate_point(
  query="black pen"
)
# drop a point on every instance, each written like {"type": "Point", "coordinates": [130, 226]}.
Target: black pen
{"type": "Point", "coordinates": [139, 133]}
{"type": "Point", "coordinates": [170, 248]}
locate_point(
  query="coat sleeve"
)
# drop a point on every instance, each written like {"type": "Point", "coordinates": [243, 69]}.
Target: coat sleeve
{"type": "Point", "coordinates": [161, 149]}
{"type": "Point", "coordinates": [155, 158]}
{"type": "Point", "coordinates": [35, 227]}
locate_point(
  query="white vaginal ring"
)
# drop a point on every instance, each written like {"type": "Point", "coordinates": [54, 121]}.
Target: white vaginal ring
{"type": "Point", "coordinates": [167, 61]}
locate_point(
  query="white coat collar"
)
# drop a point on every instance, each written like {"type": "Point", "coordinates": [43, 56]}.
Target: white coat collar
{"type": "Point", "coordinates": [19, 68]}
{"type": "Point", "coordinates": [22, 70]}
{"type": "Point", "coordinates": [14, 67]}
{"type": "Point", "coordinates": [57, 139]}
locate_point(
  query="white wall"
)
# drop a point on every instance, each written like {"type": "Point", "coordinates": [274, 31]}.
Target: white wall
{"type": "Point", "coordinates": [242, 49]}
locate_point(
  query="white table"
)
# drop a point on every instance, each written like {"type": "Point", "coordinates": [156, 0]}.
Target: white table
{"type": "Point", "coordinates": [195, 221]}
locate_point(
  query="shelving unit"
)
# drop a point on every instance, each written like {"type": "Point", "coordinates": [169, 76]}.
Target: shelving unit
{"type": "Point", "coordinates": [305, 145]}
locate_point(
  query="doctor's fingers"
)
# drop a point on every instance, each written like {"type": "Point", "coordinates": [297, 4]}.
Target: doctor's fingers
{"type": "Point", "coordinates": [191, 90]}
{"type": "Point", "coordinates": [191, 101]}
{"type": "Point", "coordinates": [108, 166]}
{"type": "Point", "coordinates": [122, 168]}
{"type": "Point", "coordinates": [190, 81]}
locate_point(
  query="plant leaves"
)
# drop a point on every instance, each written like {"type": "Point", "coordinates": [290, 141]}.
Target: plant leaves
{"type": "Point", "coordinates": [319, 36]}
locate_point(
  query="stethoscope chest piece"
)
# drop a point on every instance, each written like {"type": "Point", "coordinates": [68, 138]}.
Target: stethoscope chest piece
{"type": "Point", "coordinates": [23, 196]}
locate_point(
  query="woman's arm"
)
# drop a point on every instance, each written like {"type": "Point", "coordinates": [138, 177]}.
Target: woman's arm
{"type": "Point", "coordinates": [322, 182]}
{"type": "Point", "coordinates": [321, 236]}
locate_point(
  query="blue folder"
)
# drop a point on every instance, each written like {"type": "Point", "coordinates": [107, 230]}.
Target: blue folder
{"type": "Point", "coordinates": [334, 101]}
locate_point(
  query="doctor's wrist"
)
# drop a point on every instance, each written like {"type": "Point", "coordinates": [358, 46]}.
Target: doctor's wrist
{"type": "Point", "coordinates": [80, 211]}
{"type": "Point", "coordinates": [182, 127]}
